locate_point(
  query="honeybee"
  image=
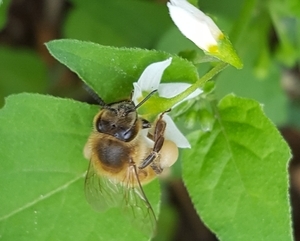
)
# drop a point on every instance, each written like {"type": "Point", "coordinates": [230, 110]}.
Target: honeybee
{"type": "Point", "coordinates": [125, 152]}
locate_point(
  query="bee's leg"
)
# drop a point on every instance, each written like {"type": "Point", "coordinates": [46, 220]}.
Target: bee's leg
{"type": "Point", "coordinates": [156, 167]}
{"type": "Point", "coordinates": [145, 124]}
{"type": "Point", "coordinates": [158, 138]}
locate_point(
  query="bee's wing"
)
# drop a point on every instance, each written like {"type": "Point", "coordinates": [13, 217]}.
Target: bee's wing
{"type": "Point", "coordinates": [101, 193]}
{"type": "Point", "coordinates": [136, 205]}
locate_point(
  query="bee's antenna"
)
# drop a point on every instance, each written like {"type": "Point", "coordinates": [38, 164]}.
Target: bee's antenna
{"type": "Point", "coordinates": [94, 95]}
{"type": "Point", "coordinates": [145, 99]}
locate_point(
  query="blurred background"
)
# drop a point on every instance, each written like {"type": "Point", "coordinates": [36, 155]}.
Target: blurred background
{"type": "Point", "coordinates": [266, 35]}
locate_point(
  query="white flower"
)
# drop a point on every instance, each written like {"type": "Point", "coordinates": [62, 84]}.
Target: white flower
{"type": "Point", "coordinates": [195, 25]}
{"type": "Point", "coordinates": [149, 81]}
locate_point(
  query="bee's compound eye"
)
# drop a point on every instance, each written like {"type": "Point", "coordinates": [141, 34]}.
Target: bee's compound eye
{"type": "Point", "coordinates": [105, 126]}
{"type": "Point", "coordinates": [168, 154]}
{"type": "Point", "coordinates": [101, 125]}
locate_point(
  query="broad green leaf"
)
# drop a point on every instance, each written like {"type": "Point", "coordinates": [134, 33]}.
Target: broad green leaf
{"type": "Point", "coordinates": [267, 91]}
{"type": "Point", "coordinates": [118, 22]}
{"type": "Point", "coordinates": [260, 77]}
{"type": "Point", "coordinates": [111, 71]}
{"type": "Point", "coordinates": [42, 174]}
{"type": "Point", "coordinates": [237, 174]}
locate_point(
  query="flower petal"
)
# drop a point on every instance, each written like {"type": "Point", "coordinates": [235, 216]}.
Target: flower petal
{"type": "Point", "coordinates": [137, 93]}
{"type": "Point", "coordinates": [194, 24]}
{"type": "Point", "coordinates": [169, 90]}
{"type": "Point", "coordinates": [149, 80]}
{"type": "Point", "coordinates": [151, 76]}
{"type": "Point", "coordinates": [172, 133]}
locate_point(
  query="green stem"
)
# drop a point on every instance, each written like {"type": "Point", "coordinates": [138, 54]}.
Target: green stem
{"type": "Point", "coordinates": [198, 84]}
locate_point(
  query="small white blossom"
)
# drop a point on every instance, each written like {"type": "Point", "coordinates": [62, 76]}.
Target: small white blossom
{"type": "Point", "coordinates": [195, 25]}
{"type": "Point", "coordinates": [202, 30]}
{"type": "Point", "coordinates": [149, 81]}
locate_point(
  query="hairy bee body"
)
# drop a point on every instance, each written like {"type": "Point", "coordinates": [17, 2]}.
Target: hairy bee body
{"type": "Point", "coordinates": [113, 158]}
{"type": "Point", "coordinates": [126, 152]}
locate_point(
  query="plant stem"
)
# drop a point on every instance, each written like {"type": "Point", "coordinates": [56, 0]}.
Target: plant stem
{"type": "Point", "coordinates": [198, 84]}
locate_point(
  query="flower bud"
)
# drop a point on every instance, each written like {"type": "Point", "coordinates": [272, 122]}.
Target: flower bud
{"type": "Point", "coordinates": [202, 30]}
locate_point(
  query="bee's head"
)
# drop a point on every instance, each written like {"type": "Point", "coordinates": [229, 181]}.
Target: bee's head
{"type": "Point", "coordinates": [118, 119]}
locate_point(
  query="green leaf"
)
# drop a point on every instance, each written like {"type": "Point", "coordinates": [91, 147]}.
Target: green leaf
{"type": "Point", "coordinates": [237, 174]}
{"type": "Point", "coordinates": [260, 77]}
{"type": "Point", "coordinates": [42, 174]}
{"type": "Point", "coordinates": [111, 71]}
{"type": "Point", "coordinates": [267, 91]}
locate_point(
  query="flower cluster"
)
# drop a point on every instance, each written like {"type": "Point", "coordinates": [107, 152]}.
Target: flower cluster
{"type": "Point", "coordinates": [149, 81]}
{"type": "Point", "coordinates": [200, 29]}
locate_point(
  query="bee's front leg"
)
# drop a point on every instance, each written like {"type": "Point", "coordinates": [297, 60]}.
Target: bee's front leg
{"type": "Point", "coordinates": [145, 124]}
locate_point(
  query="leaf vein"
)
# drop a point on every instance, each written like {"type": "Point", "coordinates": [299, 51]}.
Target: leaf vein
{"type": "Point", "coordinates": [41, 198]}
